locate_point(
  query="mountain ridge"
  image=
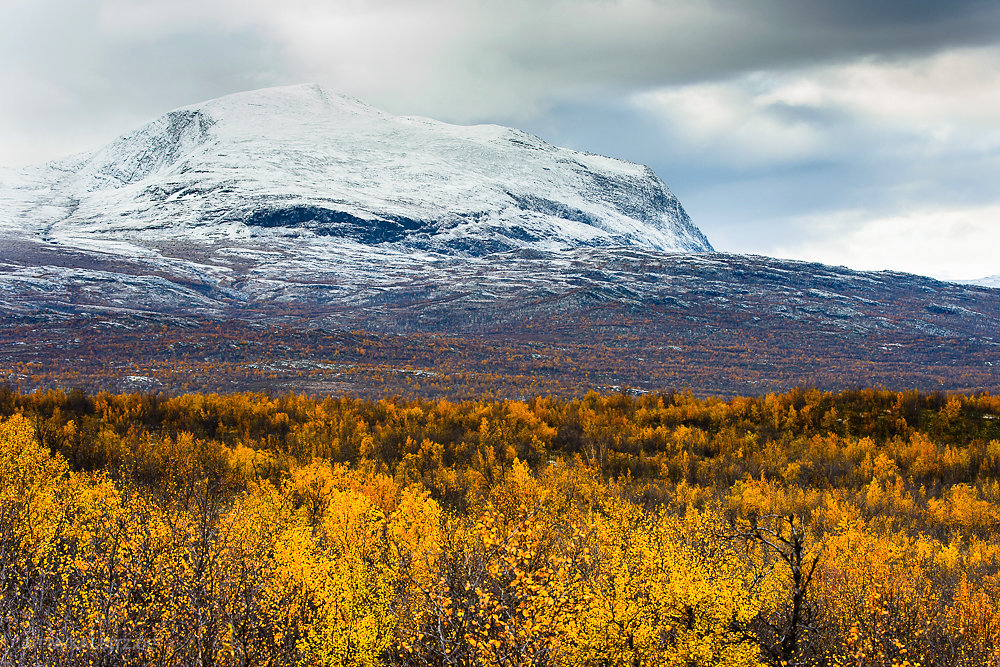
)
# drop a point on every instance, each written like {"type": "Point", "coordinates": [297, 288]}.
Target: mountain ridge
{"type": "Point", "coordinates": [989, 281]}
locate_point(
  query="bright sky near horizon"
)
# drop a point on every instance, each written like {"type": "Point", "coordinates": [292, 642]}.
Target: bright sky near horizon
{"type": "Point", "coordinates": [849, 132]}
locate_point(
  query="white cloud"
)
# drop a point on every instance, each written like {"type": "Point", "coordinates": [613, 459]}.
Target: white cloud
{"type": "Point", "coordinates": [734, 124]}
{"type": "Point", "coordinates": [953, 87]}
{"type": "Point", "coordinates": [956, 244]}
{"type": "Point", "coordinates": [907, 154]}
{"type": "Point", "coordinates": [945, 103]}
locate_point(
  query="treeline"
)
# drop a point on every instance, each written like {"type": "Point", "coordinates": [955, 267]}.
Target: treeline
{"type": "Point", "coordinates": [805, 528]}
{"type": "Point", "coordinates": [557, 355]}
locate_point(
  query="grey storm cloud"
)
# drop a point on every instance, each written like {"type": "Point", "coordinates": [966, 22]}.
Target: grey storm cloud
{"type": "Point", "coordinates": [671, 42]}
{"type": "Point", "coordinates": [439, 56]}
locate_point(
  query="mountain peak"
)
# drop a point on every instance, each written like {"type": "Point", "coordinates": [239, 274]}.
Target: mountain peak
{"type": "Point", "coordinates": [299, 101]}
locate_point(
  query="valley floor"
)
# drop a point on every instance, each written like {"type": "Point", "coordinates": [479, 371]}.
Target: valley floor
{"type": "Point", "coordinates": [567, 359]}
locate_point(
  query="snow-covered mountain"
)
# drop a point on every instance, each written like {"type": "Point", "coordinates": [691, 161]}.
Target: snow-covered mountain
{"type": "Point", "coordinates": [302, 163]}
{"type": "Point", "coordinates": [991, 281]}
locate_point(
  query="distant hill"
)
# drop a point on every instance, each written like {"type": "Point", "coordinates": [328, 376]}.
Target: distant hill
{"type": "Point", "coordinates": [220, 245]}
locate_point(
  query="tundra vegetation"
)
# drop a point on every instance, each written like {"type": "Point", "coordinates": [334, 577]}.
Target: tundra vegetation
{"type": "Point", "coordinates": [805, 528]}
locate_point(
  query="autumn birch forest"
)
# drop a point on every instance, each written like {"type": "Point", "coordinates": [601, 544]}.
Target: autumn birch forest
{"type": "Point", "coordinates": [804, 528]}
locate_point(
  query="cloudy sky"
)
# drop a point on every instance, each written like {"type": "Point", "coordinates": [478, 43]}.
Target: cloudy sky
{"type": "Point", "coordinates": [855, 132]}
